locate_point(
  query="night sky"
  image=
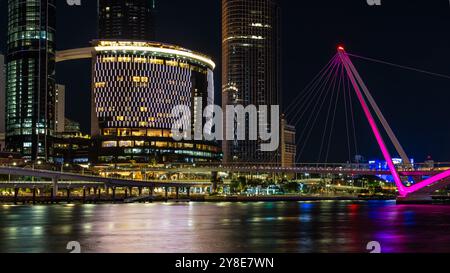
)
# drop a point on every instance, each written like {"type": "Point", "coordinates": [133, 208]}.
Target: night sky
{"type": "Point", "coordinates": [407, 32]}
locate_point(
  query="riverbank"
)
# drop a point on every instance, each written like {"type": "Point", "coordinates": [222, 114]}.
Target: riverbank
{"type": "Point", "coordinates": [192, 198]}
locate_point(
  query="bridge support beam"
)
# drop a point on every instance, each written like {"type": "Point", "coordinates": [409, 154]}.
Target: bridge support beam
{"type": "Point", "coordinates": [215, 181]}
{"type": "Point", "coordinates": [126, 193]}
{"type": "Point", "coordinates": [188, 191]}
{"type": "Point", "coordinates": [34, 195]}
{"type": "Point", "coordinates": [16, 194]}
{"type": "Point", "coordinates": [140, 191]}
{"type": "Point", "coordinates": [166, 192]}
{"type": "Point", "coordinates": [114, 194]}
{"type": "Point", "coordinates": [84, 194]}
{"type": "Point", "coordinates": [151, 191]}
{"type": "Point", "coordinates": [68, 195]}
{"type": "Point", "coordinates": [177, 192]}
{"type": "Point", "coordinates": [55, 187]}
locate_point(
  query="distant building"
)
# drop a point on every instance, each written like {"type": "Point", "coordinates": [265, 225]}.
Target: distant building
{"type": "Point", "coordinates": [2, 102]}
{"type": "Point", "coordinates": [70, 145]}
{"type": "Point", "coordinates": [127, 19]}
{"type": "Point", "coordinates": [288, 144]}
{"type": "Point", "coordinates": [30, 89]}
{"type": "Point", "coordinates": [136, 86]}
{"type": "Point", "coordinates": [381, 165]}
{"type": "Point", "coordinates": [60, 108]}
{"type": "Point", "coordinates": [71, 126]}
{"type": "Point", "coordinates": [251, 67]}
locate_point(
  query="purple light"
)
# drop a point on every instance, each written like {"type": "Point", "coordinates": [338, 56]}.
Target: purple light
{"type": "Point", "coordinates": [373, 125]}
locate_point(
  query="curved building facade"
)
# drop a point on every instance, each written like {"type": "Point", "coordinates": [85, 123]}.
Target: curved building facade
{"type": "Point", "coordinates": [135, 87]}
{"type": "Point", "coordinates": [30, 87]}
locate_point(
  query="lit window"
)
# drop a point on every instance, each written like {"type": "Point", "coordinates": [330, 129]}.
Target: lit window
{"type": "Point", "coordinates": [109, 144]}
{"type": "Point", "coordinates": [127, 143]}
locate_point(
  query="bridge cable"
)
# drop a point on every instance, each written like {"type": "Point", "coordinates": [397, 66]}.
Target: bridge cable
{"type": "Point", "coordinates": [300, 94]}
{"type": "Point", "coordinates": [314, 121]}
{"type": "Point", "coordinates": [400, 66]}
{"type": "Point", "coordinates": [326, 123]}
{"type": "Point", "coordinates": [300, 105]}
{"type": "Point", "coordinates": [334, 114]}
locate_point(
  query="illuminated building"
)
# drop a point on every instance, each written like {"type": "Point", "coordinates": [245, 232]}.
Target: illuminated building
{"type": "Point", "coordinates": [135, 87]}
{"type": "Point", "coordinates": [60, 108]}
{"type": "Point", "coordinates": [2, 102]}
{"type": "Point", "coordinates": [250, 67]}
{"type": "Point", "coordinates": [30, 89]}
{"type": "Point", "coordinates": [70, 145]}
{"type": "Point", "coordinates": [126, 19]}
{"type": "Point", "coordinates": [288, 145]}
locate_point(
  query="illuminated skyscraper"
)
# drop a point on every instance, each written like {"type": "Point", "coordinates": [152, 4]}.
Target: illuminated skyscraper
{"type": "Point", "coordinates": [30, 88]}
{"type": "Point", "coordinates": [2, 101]}
{"type": "Point", "coordinates": [60, 108]}
{"type": "Point", "coordinates": [250, 66]}
{"type": "Point", "coordinates": [127, 19]}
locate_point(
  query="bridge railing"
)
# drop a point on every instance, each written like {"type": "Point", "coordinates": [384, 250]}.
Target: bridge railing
{"type": "Point", "coordinates": [111, 172]}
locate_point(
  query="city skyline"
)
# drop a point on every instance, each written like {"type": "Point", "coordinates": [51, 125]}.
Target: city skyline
{"type": "Point", "coordinates": [376, 25]}
{"type": "Point", "coordinates": [332, 117]}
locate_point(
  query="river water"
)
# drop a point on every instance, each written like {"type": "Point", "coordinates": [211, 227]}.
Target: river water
{"type": "Point", "coordinates": [285, 227]}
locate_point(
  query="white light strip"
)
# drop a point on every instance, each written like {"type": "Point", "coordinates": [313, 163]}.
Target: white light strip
{"type": "Point", "coordinates": [186, 54]}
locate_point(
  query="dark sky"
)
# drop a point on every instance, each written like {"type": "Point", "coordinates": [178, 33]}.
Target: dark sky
{"type": "Point", "coordinates": [408, 32]}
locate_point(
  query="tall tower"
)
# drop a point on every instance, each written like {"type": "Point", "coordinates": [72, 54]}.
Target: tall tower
{"type": "Point", "coordinates": [30, 89]}
{"type": "Point", "coordinates": [251, 66]}
{"type": "Point", "coordinates": [2, 101]}
{"type": "Point", "coordinates": [126, 19]}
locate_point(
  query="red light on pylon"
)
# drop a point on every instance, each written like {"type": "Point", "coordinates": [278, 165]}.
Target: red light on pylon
{"type": "Point", "coordinates": [341, 48]}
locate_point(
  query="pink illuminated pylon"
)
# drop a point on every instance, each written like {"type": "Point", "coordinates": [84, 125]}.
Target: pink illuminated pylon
{"type": "Point", "coordinates": [398, 182]}
{"type": "Point", "coordinates": [403, 190]}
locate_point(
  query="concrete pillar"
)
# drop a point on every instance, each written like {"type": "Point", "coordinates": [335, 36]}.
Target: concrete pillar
{"type": "Point", "coordinates": [177, 190]}
{"type": "Point", "coordinates": [166, 189]}
{"type": "Point", "coordinates": [16, 194]}
{"type": "Point", "coordinates": [84, 194]}
{"type": "Point", "coordinates": [114, 194]}
{"type": "Point", "coordinates": [34, 195]}
{"type": "Point", "coordinates": [151, 191]}
{"type": "Point", "coordinates": [215, 181]}
{"type": "Point", "coordinates": [99, 193]}
{"type": "Point", "coordinates": [68, 195]}
{"type": "Point", "coordinates": [131, 192]}
{"type": "Point", "coordinates": [55, 187]}
{"type": "Point", "coordinates": [126, 193]}
{"type": "Point", "coordinates": [188, 191]}
{"type": "Point", "coordinates": [140, 191]}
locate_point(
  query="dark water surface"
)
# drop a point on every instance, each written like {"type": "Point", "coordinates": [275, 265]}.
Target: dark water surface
{"type": "Point", "coordinates": [227, 227]}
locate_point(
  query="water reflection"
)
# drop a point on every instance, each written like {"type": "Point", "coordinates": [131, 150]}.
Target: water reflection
{"type": "Point", "coordinates": [227, 227]}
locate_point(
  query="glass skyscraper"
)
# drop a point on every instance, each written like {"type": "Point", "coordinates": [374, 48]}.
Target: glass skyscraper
{"type": "Point", "coordinates": [127, 19]}
{"type": "Point", "coordinates": [30, 88]}
{"type": "Point", "coordinates": [250, 66]}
